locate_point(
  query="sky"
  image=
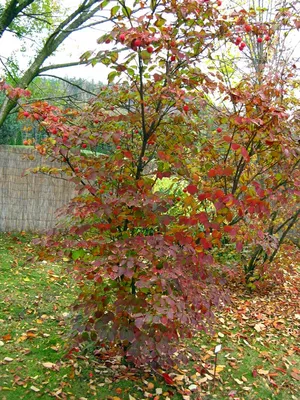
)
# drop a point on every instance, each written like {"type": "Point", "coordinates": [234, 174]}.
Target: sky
{"type": "Point", "coordinates": [70, 50]}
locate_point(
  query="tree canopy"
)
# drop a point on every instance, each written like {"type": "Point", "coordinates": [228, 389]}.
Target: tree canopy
{"type": "Point", "coordinates": [32, 17]}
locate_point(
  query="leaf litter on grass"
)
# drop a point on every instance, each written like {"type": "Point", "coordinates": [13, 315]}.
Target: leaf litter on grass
{"type": "Point", "coordinates": [259, 358]}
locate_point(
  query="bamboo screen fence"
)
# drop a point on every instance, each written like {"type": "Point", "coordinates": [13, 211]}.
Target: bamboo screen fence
{"type": "Point", "coordinates": [28, 203]}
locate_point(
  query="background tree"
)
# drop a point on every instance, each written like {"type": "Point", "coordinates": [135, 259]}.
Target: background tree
{"type": "Point", "coordinates": [66, 92]}
{"type": "Point", "coordinates": [78, 19]}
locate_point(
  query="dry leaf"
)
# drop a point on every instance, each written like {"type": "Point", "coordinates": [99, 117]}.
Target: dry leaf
{"type": "Point", "coordinates": [279, 324]}
{"type": "Point", "coordinates": [203, 380]}
{"type": "Point", "coordinates": [259, 327]}
{"type": "Point", "coordinates": [49, 365]}
{"type": "Point", "coordinates": [8, 359]}
{"type": "Point", "coordinates": [179, 377]}
{"type": "Point", "coordinates": [7, 337]}
{"type": "Point", "coordinates": [238, 381]}
{"type": "Point", "coordinates": [34, 388]}
{"type": "Point", "coordinates": [295, 376]}
{"type": "Point", "coordinates": [220, 368]}
{"type": "Point", "coordinates": [262, 372]}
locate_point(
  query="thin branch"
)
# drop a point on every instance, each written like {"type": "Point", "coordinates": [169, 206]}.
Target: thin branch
{"type": "Point", "coordinates": [70, 83]}
{"type": "Point", "coordinates": [289, 227]}
{"type": "Point", "coordinates": [65, 65]}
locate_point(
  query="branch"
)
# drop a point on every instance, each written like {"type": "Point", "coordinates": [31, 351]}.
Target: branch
{"type": "Point", "coordinates": [65, 65]}
{"type": "Point", "coordinates": [36, 17]}
{"type": "Point", "coordinates": [10, 12]}
{"type": "Point", "coordinates": [89, 25]}
{"type": "Point", "coordinates": [70, 83]}
{"type": "Point", "coordinates": [289, 227]}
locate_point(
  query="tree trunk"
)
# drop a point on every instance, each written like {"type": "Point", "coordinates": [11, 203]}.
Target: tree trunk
{"type": "Point", "coordinates": [10, 12]}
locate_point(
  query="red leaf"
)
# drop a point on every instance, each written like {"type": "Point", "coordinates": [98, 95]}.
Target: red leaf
{"type": "Point", "coordinates": [202, 217]}
{"type": "Point", "coordinates": [163, 156]}
{"type": "Point", "coordinates": [205, 244]}
{"type": "Point", "coordinates": [228, 171]}
{"type": "Point", "coordinates": [219, 193]}
{"type": "Point", "coordinates": [211, 173]}
{"type": "Point", "coordinates": [239, 246]}
{"type": "Point", "coordinates": [203, 196]}
{"type": "Point", "coordinates": [192, 189]}
{"type": "Point", "coordinates": [235, 146]}
{"type": "Point", "coordinates": [245, 154]}
{"type": "Point", "coordinates": [227, 139]}
{"type": "Point", "coordinates": [295, 376]}
{"type": "Point", "coordinates": [254, 373]}
{"type": "Point", "coordinates": [168, 379]}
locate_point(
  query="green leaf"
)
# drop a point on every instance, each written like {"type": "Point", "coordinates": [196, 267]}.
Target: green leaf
{"type": "Point", "coordinates": [160, 22]}
{"type": "Point", "coordinates": [153, 4]}
{"type": "Point", "coordinates": [104, 4]}
{"type": "Point", "coordinates": [114, 56]}
{"type": "Point", "coordinates": [76, 254]}
{"type": "Point", "coordinates": [145, 55]}
{"type": "Point", "coordinates": [114, 11]}
{"type": "Point", "coordinates": [126, 11]}
{"type": "Point", "coordinates": [111, 76]}
{"type": "Point", "coordinates": [85, 56]}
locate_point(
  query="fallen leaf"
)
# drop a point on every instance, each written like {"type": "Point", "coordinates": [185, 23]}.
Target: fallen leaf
{"type": "Point", "coordinates": [179, 378]}
{"type": "Point", "coordinates": [203, 380]}
{"type": "Point", "coordinates": [49, 365]}
{"type": "Point", "coordinates": [220, 368]}
{"type": "Point", "coordinates": [8, 359]}
{"type": "Point", "coordinates": [262, 372]}
{"type": "Point", "coordinates": [167, 379]}
{"type": "Point", "coordinates": [238, 381]}
{"type": "Point", "coordinates": [259, 327]}
{"type": "Point", "coordinates": [279, 324]}
{"type": "Point", "coordinates": [34, 388]}
{"type": "Point", "coordinates": [295, 376]}
{"type": "Point", "coordinates": [7, 337]}
{"type": "Point", "coordinates": [31, 335]}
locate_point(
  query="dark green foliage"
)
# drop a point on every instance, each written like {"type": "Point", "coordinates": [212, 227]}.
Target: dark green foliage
{"type": "Point", "coordinates": [19, 138]}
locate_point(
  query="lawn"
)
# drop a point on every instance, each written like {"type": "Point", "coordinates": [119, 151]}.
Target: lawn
{"type": "Point", "coordinates": [259, 335]}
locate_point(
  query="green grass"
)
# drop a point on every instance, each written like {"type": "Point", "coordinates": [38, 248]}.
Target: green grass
{"type": "Point", "coordinates": [35, 328]}
{"type": "Point", "coordinates": [35, 325]}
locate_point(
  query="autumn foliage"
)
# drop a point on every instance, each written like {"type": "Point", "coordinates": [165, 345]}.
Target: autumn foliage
{"type": "Point", "coordinates": [172, 162]}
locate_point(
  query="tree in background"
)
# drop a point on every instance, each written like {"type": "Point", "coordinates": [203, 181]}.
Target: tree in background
{"type": "Point", "coordinates": [38, 16]}
{"type": "Point", "coordinates": [65, 92]}
{"type": "Point", "coordinates": [10, 127]}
